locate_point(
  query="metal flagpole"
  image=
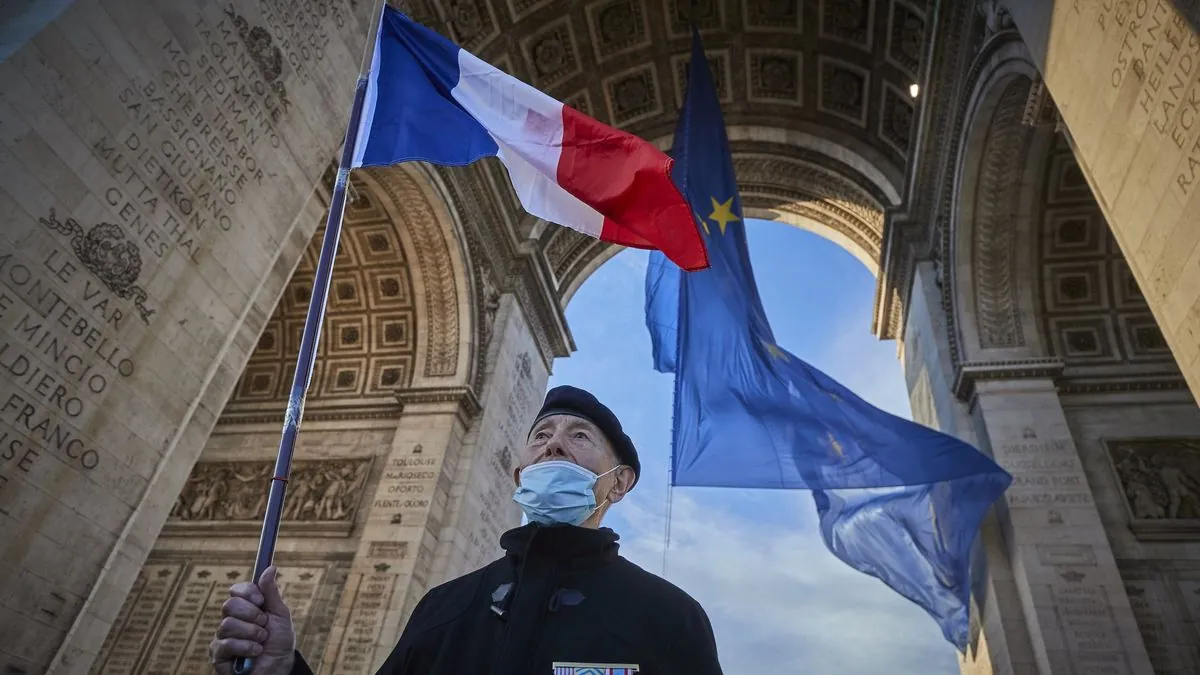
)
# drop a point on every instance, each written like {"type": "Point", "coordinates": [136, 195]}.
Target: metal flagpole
{"type": "Point", "coordinates": [312, 326]}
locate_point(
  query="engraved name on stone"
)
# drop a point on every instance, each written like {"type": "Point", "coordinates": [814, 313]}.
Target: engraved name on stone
{"type": "Point", "coordinates": [1065, 464]}
{"type": "Point", "coordinates": [1087, 622]}
{"type": "Point", "coordinates": [1040, 480]}
{"type": "Point", "coordinates": [370, 602]}
{"type": "Point", "coordinates": [1036, 449]}
{"type": "Point", "coordinates": [200, 133]}
{"type": "Point", "coordinates": [210, 618]}
{"type": "Point", "coordinates": [388, 550]}
{"type": "Point", "coordinates": [407, 485]}
{"type": "Point", "coordinates": [1047, 499]}
{"type": "Point", "coordinates": [1152, 43]}
{"type": "Point", "coordinates": [299, 590]}
{"type": "Point", "coordinates": [143, 607]}
{"type": "Point", "coordinates": [58, 357]}
{"type": "Point", "coordinates": [169, 645]}
{"type": "Point", "coordinates": [1149, 619]}
{"type": "Point", "coordinates": [1066, 554]}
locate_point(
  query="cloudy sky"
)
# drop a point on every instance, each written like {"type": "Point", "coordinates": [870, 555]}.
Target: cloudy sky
{"type": "Point", "coordinates": [778, 600]}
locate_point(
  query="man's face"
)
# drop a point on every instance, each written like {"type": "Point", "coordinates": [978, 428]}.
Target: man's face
{"type": "Point", "coordinates": [579, 441]}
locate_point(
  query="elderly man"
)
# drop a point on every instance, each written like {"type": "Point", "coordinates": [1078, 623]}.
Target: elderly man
{"type": "Point", "coordinates": [560, 602]}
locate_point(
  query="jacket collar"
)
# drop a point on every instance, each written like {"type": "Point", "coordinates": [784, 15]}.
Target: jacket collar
{"type": "Point", "coordinates": [565, 545]}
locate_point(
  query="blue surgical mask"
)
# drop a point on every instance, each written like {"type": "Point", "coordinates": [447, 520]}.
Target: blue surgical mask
{"type": "Point", "coordinates": [557, 492]}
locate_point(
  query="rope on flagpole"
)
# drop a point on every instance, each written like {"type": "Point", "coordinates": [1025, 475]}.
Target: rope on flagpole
{"type": "Point", "coordinates": [312, 325]}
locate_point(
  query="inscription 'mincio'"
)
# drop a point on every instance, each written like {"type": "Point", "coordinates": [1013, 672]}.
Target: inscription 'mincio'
{"type": "Point", "coordinates": [56, 358]}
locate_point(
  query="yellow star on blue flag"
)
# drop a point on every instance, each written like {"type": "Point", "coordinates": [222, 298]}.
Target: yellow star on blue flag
{"type": "Point", "coordinates": [722, 213]}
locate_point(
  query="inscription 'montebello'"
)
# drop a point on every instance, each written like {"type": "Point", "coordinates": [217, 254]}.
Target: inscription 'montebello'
{"type": "Point", "coordinates": [58, 356]}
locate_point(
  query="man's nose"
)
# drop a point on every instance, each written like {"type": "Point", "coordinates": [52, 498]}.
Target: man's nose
{"type": "Point", "coordinates": [554, 449]}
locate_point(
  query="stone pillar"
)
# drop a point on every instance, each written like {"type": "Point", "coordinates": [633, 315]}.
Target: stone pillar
{"type": "Point", "coordinates": [133, 284]}
{"type": "Point", "coordinates": [1071, 593]}
{"type": "Point", "coordinates": [999, 637]}
{"type": "Point", "coordinates": [400, 531]}
{"type": "Point", "coordinates": [482, 508]}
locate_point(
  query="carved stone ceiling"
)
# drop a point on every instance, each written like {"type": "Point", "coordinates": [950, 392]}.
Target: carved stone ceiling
{"type": "Point", "coordinates": [832, 68]}
{"type": "Point", "coordinates": [1093, 312]}
{"type": "Point", "coordinates": [368, 342]}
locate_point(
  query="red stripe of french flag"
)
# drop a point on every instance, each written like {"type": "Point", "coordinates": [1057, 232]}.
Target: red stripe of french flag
{"type": "Point", "coordinates": [628, 180]}
{"type": "Point", "coordinates": [575, 171]}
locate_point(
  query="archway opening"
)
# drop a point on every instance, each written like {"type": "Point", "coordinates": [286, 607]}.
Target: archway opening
{"type": "Point", "coordinates": [755, 559]}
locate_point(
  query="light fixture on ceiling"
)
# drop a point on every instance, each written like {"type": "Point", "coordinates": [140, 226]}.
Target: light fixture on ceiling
{"type": "Point", "coordinates": [914, 89]}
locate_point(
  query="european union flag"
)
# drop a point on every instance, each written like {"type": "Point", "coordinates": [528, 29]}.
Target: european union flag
{"type": "Point", "coordinates": [897, 500]}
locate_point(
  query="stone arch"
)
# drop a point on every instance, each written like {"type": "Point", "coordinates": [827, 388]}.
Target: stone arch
{"type": "Point", "coordinates": [994, 211]}
{"type": "Point", "coordinates": [368, 338]}
{"type": "Point", "coordinates": [805, 180]}
{"type": "Point", "coordinates": [443, 294]}
{"type": "Point", "coordinates": [399, 312]}
{"type": "Point", "coordinates": [1021, 201]}
{"type": "Point", "coordinates": [1090, 308]}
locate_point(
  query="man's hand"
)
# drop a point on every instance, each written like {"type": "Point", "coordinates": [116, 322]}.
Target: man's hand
{"type": "Point", "coordinates": [256, 624]}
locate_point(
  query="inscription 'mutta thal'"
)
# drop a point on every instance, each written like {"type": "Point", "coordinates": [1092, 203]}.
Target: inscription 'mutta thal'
{"type": "Point", "coordinates": [165, 169]}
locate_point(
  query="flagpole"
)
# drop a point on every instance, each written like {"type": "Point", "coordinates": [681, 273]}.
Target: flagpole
{"type": "Point", "coordinates": [678, 339]}
{"type": "Point", "coordinates": [312, 325]}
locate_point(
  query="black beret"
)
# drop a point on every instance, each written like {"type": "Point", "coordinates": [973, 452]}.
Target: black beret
{"type": "Point", "coordinates": [568, 400]}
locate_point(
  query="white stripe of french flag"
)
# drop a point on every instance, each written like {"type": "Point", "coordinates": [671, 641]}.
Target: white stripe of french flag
{"type": "Point", "coordinates": [427, 99]}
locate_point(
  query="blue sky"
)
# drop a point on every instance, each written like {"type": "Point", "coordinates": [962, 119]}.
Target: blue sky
{"type": "Point", "coordinates": [778, 600]}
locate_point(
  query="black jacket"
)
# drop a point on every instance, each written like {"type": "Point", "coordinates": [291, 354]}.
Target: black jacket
{"type": "Point", "coordinates": [572, 601]}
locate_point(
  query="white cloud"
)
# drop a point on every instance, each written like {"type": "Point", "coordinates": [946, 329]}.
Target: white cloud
{"type": "Point", "coordinates": [775, 595]}
{"type": "Point", "coordinates": [873, 373]}
{"type": "Point", "coordinates": [633, 260]}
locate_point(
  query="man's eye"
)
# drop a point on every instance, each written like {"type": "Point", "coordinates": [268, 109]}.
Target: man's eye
{"type": "Point", "coordinates": [541, 435]}
{"type": "Point", "coordinates": [582, 435]}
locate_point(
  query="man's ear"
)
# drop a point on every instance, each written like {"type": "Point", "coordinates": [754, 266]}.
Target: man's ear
{"type": "Point", "coordinates": [623, 479]}
{"type": "Point", "coordinates": [516, 476]}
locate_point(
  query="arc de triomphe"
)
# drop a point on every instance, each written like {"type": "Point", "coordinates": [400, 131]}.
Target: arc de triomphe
{"type": "Point", "coordinates": [1030, 214]}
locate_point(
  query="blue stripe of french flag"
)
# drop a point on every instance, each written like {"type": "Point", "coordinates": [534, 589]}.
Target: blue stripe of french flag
{"type": "Point", "coordinates": [429, 100]}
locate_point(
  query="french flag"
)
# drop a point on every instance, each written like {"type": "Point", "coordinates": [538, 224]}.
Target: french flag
{"type": "Point", "coordinates": [429, 100]}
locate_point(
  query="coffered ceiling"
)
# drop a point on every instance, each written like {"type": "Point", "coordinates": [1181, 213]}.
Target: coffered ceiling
{"type": "Point", "coordinates": [841, 68]}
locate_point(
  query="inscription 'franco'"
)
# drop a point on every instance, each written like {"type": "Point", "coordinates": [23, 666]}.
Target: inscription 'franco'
{"type": "Point", "coordinates": [56, 356]}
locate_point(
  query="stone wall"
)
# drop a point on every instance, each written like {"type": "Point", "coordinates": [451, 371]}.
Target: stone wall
{"type": "Point", "coordinates": [1000, 641]}
{"type": "Point", "coordinates": [482, 507]}
{"type": "Point", "coordinates": [155, 162]}
{"type": "Point", "coordinates": [1141, 453]}
{"type": "Point", "coordinates": [1124, 75]}
{"type": "Point", "coordinates": [208, 543]}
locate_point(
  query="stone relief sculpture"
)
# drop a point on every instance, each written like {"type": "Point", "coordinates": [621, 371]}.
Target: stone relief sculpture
{"type": "Point", "coordinates": [1160, 478]}
{"type": "Point", "coordinates": [320, 491]}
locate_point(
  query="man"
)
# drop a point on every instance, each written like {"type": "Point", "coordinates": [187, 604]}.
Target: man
{"type": "Point", "coordinates": [560, 601]}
